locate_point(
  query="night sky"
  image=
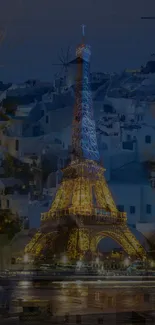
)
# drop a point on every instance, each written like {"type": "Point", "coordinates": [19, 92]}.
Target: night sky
{"type": "Point", "coordinates": [37, 29]}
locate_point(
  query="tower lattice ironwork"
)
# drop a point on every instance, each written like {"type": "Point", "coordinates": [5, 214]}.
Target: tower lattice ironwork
{"type": "Point", "coordinates": [83, 211]}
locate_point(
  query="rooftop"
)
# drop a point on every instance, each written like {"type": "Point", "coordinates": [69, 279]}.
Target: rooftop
{"type": "Point", "coordinates": [24, 110]}
{"type": "Point", "coordinates": [10, 182]}
{"type": "Point", "coordinates": [60, 101]}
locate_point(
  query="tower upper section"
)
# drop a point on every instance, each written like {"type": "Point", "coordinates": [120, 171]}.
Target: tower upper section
{"type": "Point", "coordinates": [83, 51]}
{"type": "Point", "coordinates": [84, 141]}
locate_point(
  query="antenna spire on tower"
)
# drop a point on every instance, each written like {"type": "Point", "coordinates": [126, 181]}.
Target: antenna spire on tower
{"type": "Point", "coordinates": [83, 30]}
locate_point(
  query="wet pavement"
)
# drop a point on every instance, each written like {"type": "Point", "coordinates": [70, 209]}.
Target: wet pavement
{"type": "Point", "coordinates": [96, 301]}
{"type": "Point", "coordinates": [88, 297]}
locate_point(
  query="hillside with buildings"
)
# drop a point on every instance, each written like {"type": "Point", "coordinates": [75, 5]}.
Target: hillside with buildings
{"type": "Point", "coordinates": [35, 139]}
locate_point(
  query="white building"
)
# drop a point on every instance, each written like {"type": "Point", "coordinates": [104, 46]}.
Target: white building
{"type": "Point", "coordinates": [133, 193]}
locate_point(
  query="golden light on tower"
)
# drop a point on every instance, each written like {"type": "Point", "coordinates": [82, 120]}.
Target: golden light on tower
{"type": "Point", "coordinates": [83, 211]}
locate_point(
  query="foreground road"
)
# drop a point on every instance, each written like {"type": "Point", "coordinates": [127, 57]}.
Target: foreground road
{"type": "Point", "coordinates": [73, 278]}
{"type": "Point", "coordinates": [85, 298]}
{"type": "Point", "coordinates": [119, 318]}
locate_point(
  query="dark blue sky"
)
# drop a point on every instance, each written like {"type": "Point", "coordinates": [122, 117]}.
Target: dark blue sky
{"type": "Point", "coordinates": [37, 29]}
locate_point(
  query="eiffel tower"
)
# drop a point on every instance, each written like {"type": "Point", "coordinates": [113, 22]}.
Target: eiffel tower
{"type": "Point", "coordinates": [83, 211]}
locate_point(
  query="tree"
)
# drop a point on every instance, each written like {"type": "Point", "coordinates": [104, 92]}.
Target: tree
{"type": "Point", "coordinates": [10, 104]}
{"type": "Point", "coordinates": [15, 168]}
{"type": "Point", "coordinates": [9, 223]}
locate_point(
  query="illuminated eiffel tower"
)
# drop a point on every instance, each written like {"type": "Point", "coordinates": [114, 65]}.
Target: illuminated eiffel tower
{"type": "Point", "coordinates": [83, 211]}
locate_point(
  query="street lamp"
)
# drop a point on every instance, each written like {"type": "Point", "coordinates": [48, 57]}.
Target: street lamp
{"type": "Point", "coordinates": [26, 258]}
{"type": "Point", "coordinates": [97, 261]}
{"type": "Point", "coordinates": [152, 263]}
{"type": "Point", "coordinates": [126, 262]}
{"type": "Point", "coordinates": [64, 259]}
{"type": "Point", "coordinates": [79, 264]}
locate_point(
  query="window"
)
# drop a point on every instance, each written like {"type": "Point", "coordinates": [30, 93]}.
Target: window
{"type": "Point", "coordinates": [17, 145]}
{"type": "Point", "coordinates": [140, 117]}
{"type": "Point", "coordinates": [147, 139]}
{"type": "Point", "coordinates": [42, 113]}
{"type": "Point", "coordinates": [120, 208]}
{"type": "Point", "coordinates": [148, 209]}
{"type": "Point", "coordinates": [132, 209]}
{"type": "Point", "coordinates": [47, 119]}
{"type": "Point", "coordinates": [128, 137]}
{"type": "Point", "coordinates": [128, 145]}
{"type": "Point", "coordinates": [57, 141]}
{"type": "Point", "coordinates": [153, 183]}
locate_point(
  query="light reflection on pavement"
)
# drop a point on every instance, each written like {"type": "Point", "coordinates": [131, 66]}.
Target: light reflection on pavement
{"type": "Point", "coordinates": [88, 297]}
